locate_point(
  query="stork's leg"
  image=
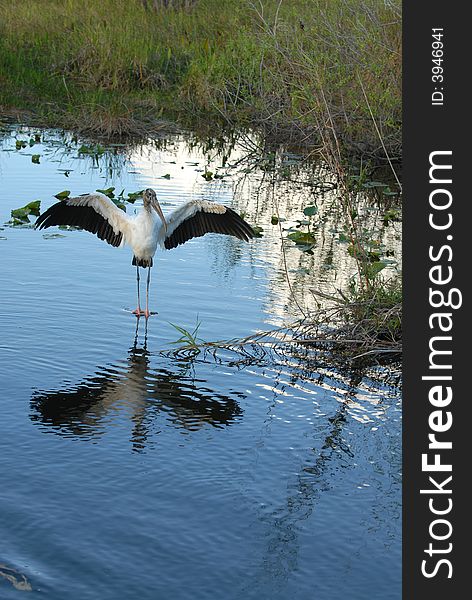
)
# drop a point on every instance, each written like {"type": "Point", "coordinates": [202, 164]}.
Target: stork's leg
{"type": "Point", "coordinates": [138, 312]}
{"type": "Point", "coordinates": [146, 312]}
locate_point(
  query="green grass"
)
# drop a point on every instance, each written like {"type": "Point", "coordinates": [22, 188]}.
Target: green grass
{"type": "Point", "coordinates": [376, 312]}
{"type": "Point", "coordinates": [292, 70]}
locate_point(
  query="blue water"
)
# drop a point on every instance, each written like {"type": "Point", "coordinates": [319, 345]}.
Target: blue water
{"type": "Point", "coordinates": [128, 473]}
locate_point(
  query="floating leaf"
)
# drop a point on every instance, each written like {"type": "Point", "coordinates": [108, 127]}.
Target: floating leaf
{"type": "Point", "coordinates": [391, 216]}
{"type": "Point", "coordinates": [257, 231]}
{"type": "Point", "coordinates": [274, 220]}
{"type": "Point", "coordinates": [119, 204]}
{"type": "Point", "coordinates": [301, 237]}
{"type": "Point", "coordinates": [20, 223]}
{"type": "Point", "coordinates": [307, 248]}
{"type": "Point", "coordinates": [309, 211]}
{"type": "Point", "coordinates": [21, 214]}
{"type": "Point", "coordinates": [373, 256]}
{"type": "Point", "coordinates": [20, 144]}
{"type": "Point", "coordinates": [374, 184]}
{"type": "Point", "coordinates": [53, 236]}
{"type": "Point", "coordinates": [166, 176]}
{"type": "Point", "coordinates": [62, 195]}
{"type": "Point", "coordinates": [110, 192]}
{"type": "Point", "coordinates": [34, 207]}
{"type": "Point", "coordinates": [207, 175]}
{"type": "Point", "coordinates": [133, 196]}
{"type": "Point", "coordinates": [35, 159]}
{"type": "Point", "coordinates": [374, 244]}
{"type": "Point", "coordinates": [96, 150]}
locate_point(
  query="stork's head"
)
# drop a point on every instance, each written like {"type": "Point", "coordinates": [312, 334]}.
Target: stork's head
{"type": "Point", "coordinates": [150, 202]}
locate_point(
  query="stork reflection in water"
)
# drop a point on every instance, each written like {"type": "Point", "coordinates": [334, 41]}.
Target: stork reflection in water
{"type": "Point", "coordinates": [149, 229]}
{"type": "Point", "coordinates": [138, 389]}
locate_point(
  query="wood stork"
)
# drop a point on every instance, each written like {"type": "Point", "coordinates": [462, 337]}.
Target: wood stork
{"type": "Point", "coordinates": [147, 230]}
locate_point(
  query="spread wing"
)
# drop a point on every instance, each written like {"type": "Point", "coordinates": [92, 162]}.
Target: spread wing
{"type": "Point", "coordinates": [197, 217]}
{"type": "Point", "coordinates": [93, 212]}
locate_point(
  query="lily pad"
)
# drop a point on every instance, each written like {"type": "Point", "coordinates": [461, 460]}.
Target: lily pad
{"type": "Point", "coordinates": [62, 195]}
{"type": "Point", "coordinates": [19, 223]}
{"type": "Point", "coordinates": [309, 211]}
{"type": "Point", "coordinates": [96, 150]}
{"type": "Point", "coordinates": [21, 214]}
{"type": "Point", "coordinates": [53, 236]}
{"type": "Point", "coordinates": [110, 192]}
{"type": "Point", "coordinates": [119, 204]}
{"type": "Point", "coordinates": [374, 184]}
{"type": "Point", "coordinates": [301, 237]}
{"type": "Point", "coordinates": [390, 216]}
{"type": "Point", "coordinates": [133, 196]}
{"type": "Point", "coordinates": [307, 248]}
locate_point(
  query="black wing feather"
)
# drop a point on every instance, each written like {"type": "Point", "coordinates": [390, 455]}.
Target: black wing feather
{"type": "Point", "coordinates": [228, 223]}
{"type": "Point", "coordinates": [84, 217]}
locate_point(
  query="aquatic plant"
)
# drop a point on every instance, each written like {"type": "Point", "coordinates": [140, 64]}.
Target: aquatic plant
{"type": "Point", "coordinates": [188, 342]}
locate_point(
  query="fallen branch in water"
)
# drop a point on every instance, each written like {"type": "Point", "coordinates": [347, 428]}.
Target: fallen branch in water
{"type": "Point", "coordinates": [360, 333]}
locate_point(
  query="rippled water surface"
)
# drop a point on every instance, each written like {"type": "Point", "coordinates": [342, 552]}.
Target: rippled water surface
{"type": "Point", "coordinates": [127, 473]}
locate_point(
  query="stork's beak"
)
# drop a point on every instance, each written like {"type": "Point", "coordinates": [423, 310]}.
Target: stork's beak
{"type": "Point", "coordinates": [158, 209]}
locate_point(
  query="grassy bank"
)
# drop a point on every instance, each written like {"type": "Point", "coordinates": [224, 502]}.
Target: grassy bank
{"type": "Point", "coordinates": [292, 69]}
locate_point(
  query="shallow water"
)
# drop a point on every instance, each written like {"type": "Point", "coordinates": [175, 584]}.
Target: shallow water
{"type": "Point", "coordinates": [130, 474]}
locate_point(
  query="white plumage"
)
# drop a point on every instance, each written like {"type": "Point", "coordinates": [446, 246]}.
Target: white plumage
{"type": "Point", "coordinates": [143, 233]}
